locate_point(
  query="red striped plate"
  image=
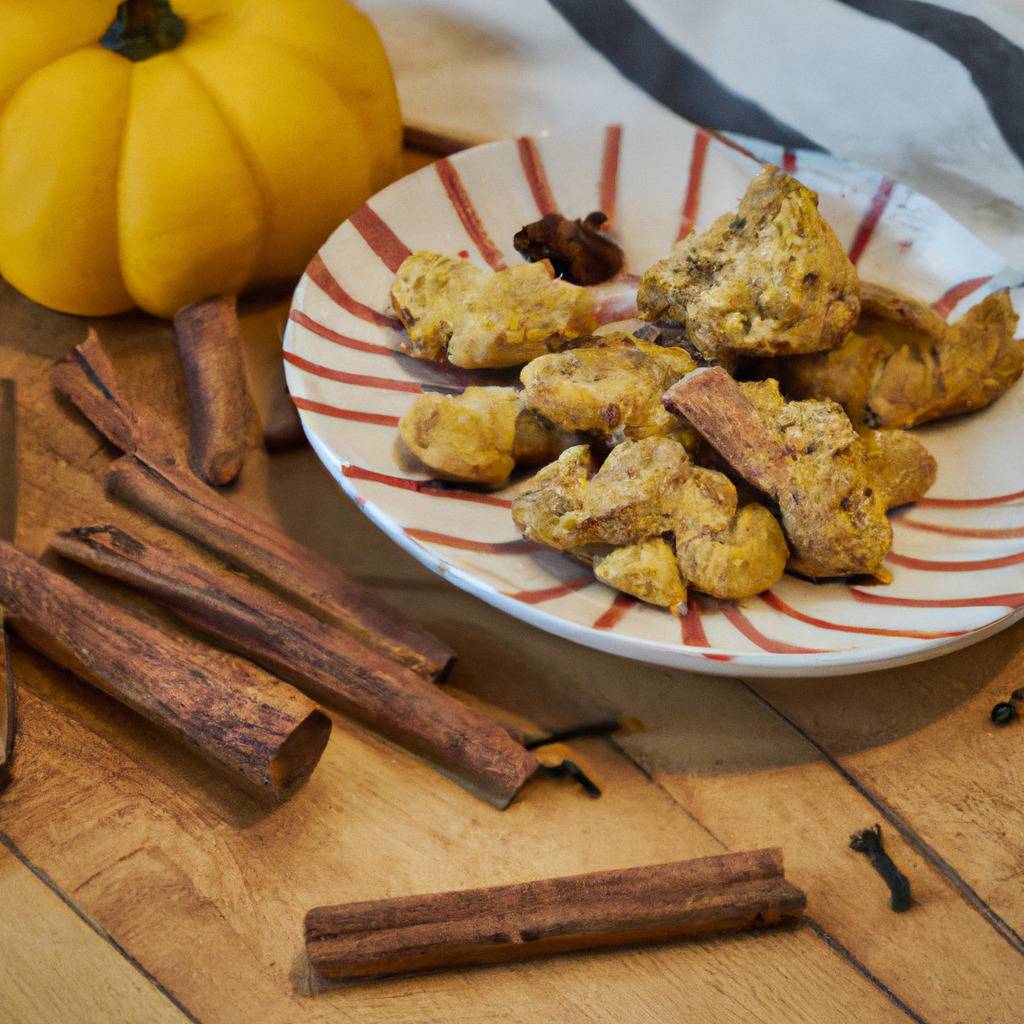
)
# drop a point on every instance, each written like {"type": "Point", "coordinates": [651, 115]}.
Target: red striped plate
{"type": "Point", "coordinates": [958, 557]}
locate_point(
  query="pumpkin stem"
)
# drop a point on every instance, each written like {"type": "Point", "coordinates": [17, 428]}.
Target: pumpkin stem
{"type": "Point", "coordinates": [143, 28]}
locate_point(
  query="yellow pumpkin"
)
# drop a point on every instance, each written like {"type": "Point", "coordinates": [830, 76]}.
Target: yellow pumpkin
{"type": "Point", "coordinates": [192, 152]}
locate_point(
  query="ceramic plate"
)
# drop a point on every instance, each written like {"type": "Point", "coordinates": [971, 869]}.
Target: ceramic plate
{"type": "Point", "coordinates": [958, 556]}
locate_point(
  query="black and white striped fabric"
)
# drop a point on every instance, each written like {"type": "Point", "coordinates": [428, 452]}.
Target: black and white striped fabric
{"type": "Point", "coordinates": [930, 93]}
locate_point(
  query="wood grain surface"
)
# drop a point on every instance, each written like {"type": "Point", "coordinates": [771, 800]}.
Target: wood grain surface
{"type": "Point", "coordinates": [194, 884]}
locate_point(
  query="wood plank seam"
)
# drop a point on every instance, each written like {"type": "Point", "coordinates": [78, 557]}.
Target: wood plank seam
{"type": "Point", "coordinates": [97, 928]}
{"type": "Point", "coordinates": [925, 849]}
{"type": "Point", "coordinates": [830, 940]}
{"type": "Point", "coordinates": [840, 950]}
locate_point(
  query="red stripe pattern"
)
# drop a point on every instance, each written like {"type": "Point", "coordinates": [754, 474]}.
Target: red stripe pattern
{"type": "Point", "coordinates": [467, 214]}
{"type": "Point", "coordinates": [536, 176]}
{"type": "Point", "coordinates": [879, 201]}
{"type": "Point", "coordinates": [428, 487]}
{"type": "Point", "coordinates": [356, 415]}
{"type": "Point", "coordinates": [948, 301]}
{"type": "Point", "coordinates": [320, 330]}
{"type": "Point", "coordinates": [998, 499]}
{"type": "Point", "coordinates": [504, 547]}
{"type": "Point", "coordinates": [379, 237]}
{"type": "Point", "coordinates": [755, 636]}
{"type": "Point", "coordinates": [971, 565]}
{"type": "Point", "coordinates": [318, 273]}
{"type": "Point", "coordinates": [776, 602]}
{"type": "Point", "coordinates": [961, 531]}
{"type": "Point", "coordinates": [994, 600]}
{"type": "Point", "coordinates": [691, 201]}
{"type": "Point", "coordinates": [550, 593]}
{"type": "Point", "coordinates": [357, 379]}
{"type": "Point", "coordinates": [607, 192]}
{"type": "Point", "coordinates": [692, 629]}
{"type": "Point", "coordinates": [621, 604]}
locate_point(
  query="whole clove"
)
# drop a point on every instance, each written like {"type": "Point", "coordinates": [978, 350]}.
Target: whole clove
{"type": "Point", "coordinates": [869, 842]}
{"type": "Point", "coordinates": [578, 250]}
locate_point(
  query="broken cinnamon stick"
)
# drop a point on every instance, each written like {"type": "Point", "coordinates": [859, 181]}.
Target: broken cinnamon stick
{"type": "Point", "coordinates": [150, 479]}
{"type": "Point", "coordinates": [8, 709]}
{"type": "Point", "coordinates": [210, 348]}
{"type": "Point", "coordinates": [709, 398]}
{"type": "Point", "coordinates": [235, 715]}
{"type": "Point", "coordinates": [326, 663]}
{"type": "Point", "coordinates": [515, 922]}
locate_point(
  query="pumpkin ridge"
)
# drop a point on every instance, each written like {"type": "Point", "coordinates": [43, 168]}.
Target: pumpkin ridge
{"type": "Point", "coordinates": [321, 71]}
{"type": "Point", "coordinates": [117, 175]}
{"type": "Point", "coordinates": [255, 172]}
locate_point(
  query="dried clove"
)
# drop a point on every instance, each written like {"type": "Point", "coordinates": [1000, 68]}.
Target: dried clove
{"type": "Point", "coordinates": [869, 842]}
{"type": "Point", "coordinates": [578, 250]}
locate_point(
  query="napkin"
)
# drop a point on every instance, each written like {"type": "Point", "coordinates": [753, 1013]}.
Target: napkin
{"type": "Point", "coordinates": [931, 94]}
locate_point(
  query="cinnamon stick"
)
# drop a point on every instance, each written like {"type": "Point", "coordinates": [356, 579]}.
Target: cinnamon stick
{"type": "Point", "coordinates": [235, 715]}
{"type": "Point", "coordinates": [515, 922]}
{"type": "Point", "coordinates": [709, 398]}
{"type": "Point", "coordinates": [8, 460]}
{"type": "Point", "coordinates": [210, 348]}
{"type": "Point", "coordinates": [326, 663]}
{"type": "Point", "coordinates": [150, 479]}
{"type": "Point", "coordinates": [8, 708]}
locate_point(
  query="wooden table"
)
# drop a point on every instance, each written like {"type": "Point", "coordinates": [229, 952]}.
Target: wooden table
{"type": "Point", "coordinates": [137, 884]}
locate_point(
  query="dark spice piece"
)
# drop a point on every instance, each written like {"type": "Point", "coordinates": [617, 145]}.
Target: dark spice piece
{"type": "Point", "coordinates": [603, 728]}
{"type": "Point", "coordinates": [571, 770]}
{"type": "Point", "coordinates": [869, 842]}
{"type": "Point", "coordinates": [578, 250]}
{"type": "Point", "coordinates": [1003, 713]}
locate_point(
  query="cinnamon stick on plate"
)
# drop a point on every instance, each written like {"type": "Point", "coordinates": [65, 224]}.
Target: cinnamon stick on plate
{"type": "Point", "coordinates": [235, 715]}
{"type": "Point", "coordinates": [326, 663]}
{"type": "Point", "coordinates": [149, 478]}
{"type": "Point", "coordinates": [558, 915]}
{"type": "Point", "coordinates": [210, 348]}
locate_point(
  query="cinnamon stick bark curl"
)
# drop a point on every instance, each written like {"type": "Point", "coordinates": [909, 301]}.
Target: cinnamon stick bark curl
{"type": "Point", "coordinates": [515, 922]}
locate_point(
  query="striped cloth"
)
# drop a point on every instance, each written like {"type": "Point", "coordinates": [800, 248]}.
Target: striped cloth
{"type": "Point", "coordinates": [929, 93]}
